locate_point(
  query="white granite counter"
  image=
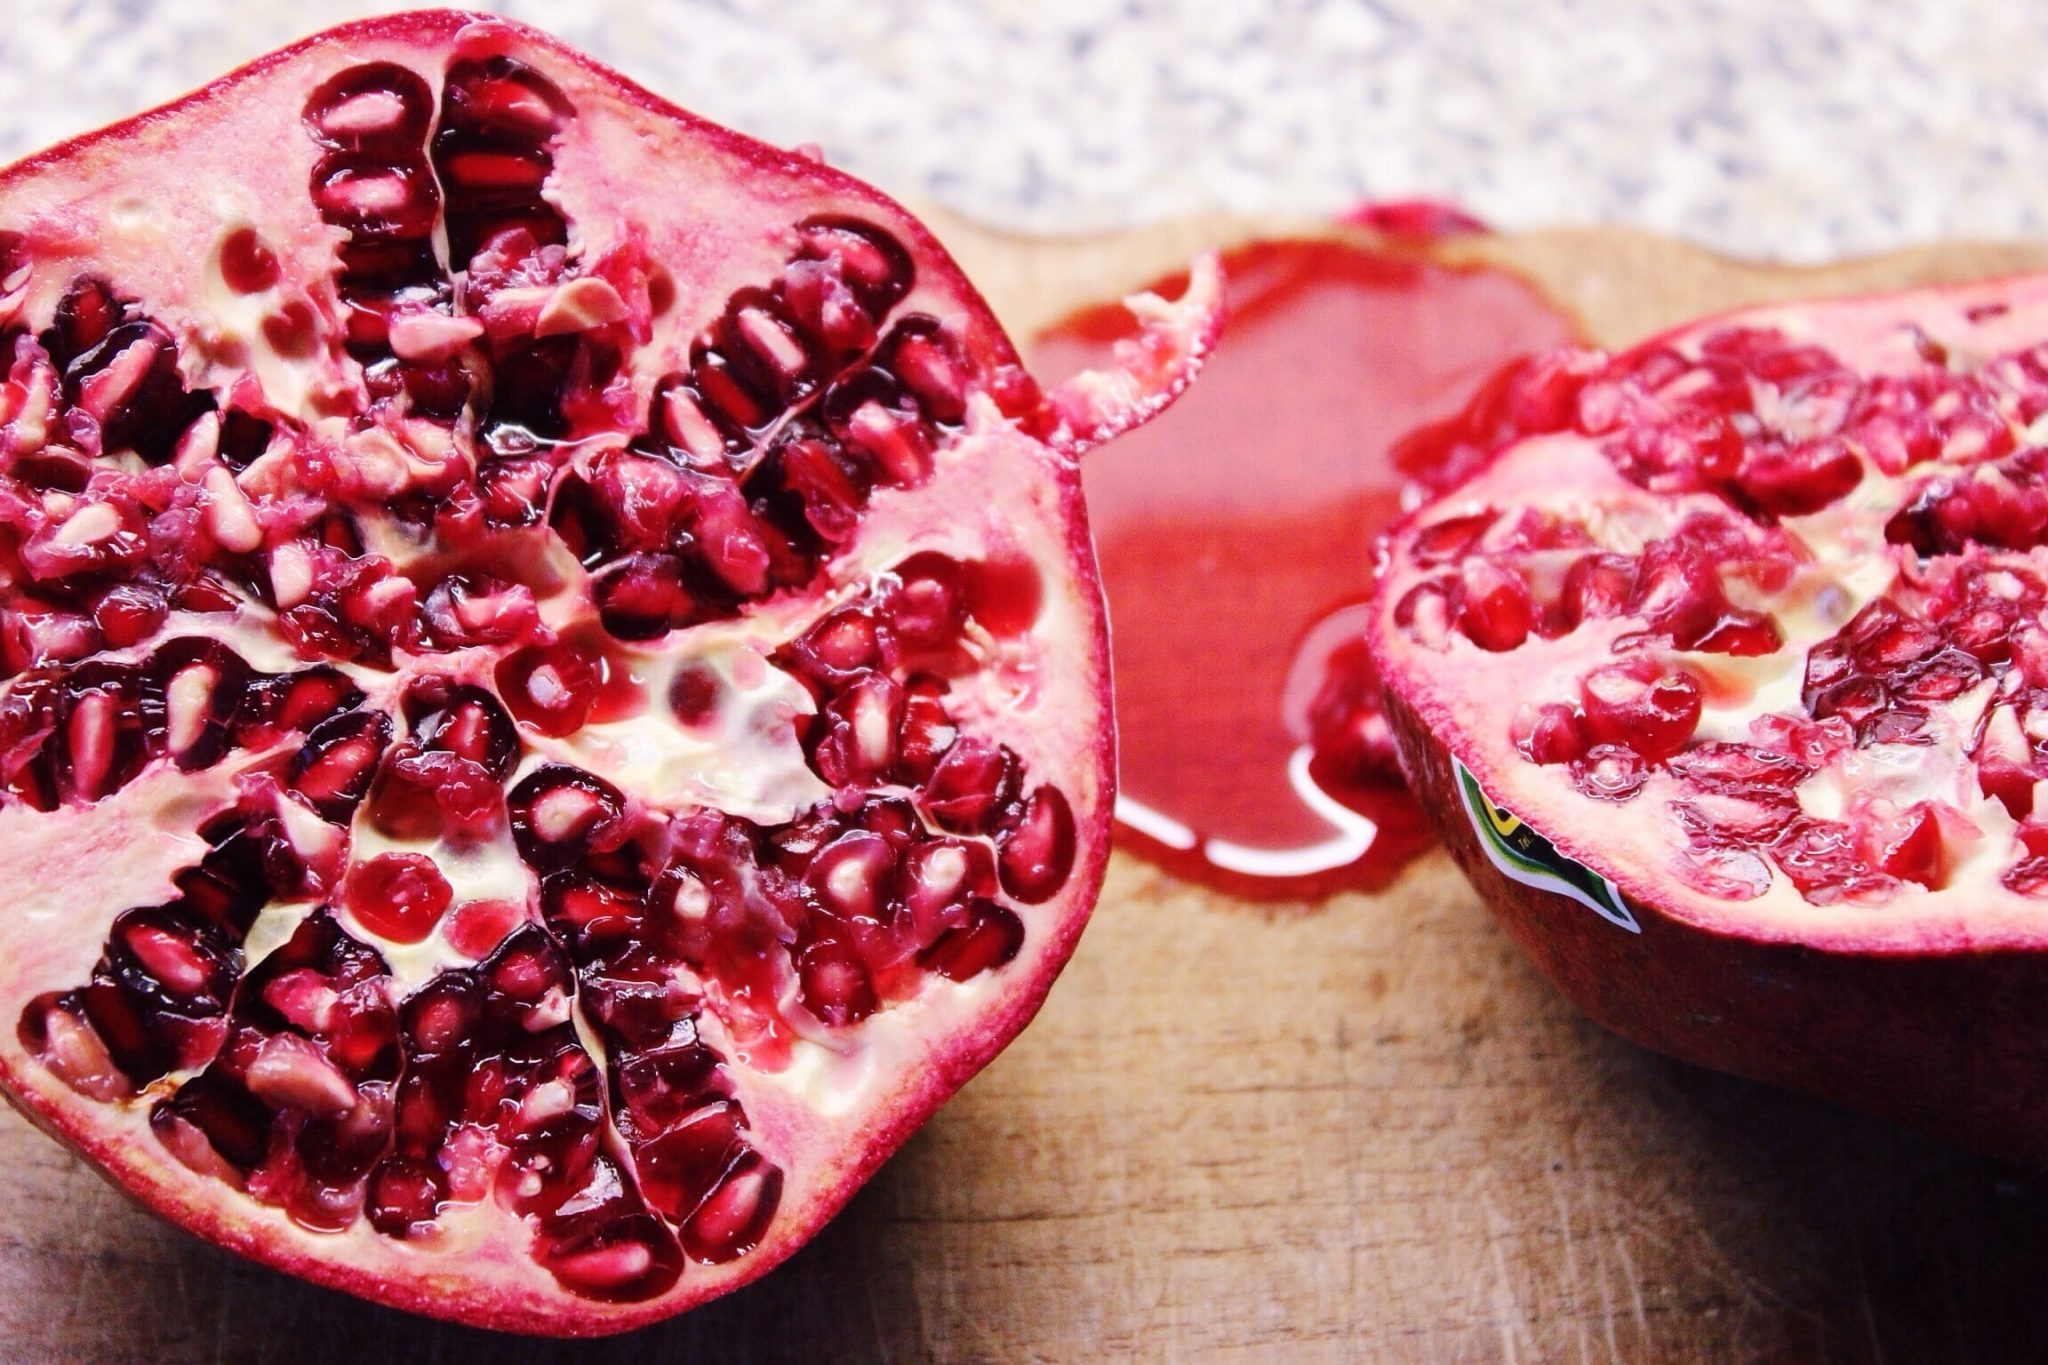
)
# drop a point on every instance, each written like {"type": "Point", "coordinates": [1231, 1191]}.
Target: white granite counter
{"type": "Point", "coordinates": [1794, 130]}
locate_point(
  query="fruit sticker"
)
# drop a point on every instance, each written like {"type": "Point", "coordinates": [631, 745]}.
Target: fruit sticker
{"type": "Point", "coordinates": [1524, 856]}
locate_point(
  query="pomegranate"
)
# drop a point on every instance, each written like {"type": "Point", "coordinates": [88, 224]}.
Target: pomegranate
{"type": "Point", "coordinates": [1726, 682]}
{"type": "Point", "coordinates": [555, 694]}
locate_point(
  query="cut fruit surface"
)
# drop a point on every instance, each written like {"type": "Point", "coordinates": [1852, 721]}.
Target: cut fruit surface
{"type": "Point", "coordinates": [1753, 628]}
{"type": "Point", "coordinates": [553, 696]}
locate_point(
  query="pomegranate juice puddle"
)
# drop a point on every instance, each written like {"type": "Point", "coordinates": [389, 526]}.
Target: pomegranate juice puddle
{"type": "Point", "coordinates": [1236, 533]}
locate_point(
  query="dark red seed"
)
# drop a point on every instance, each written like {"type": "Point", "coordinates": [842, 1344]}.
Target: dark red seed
{"type": "Point", "coordinates": [970, 785]}
{"type": "Point", "coordinates": [991, 936]}
{"type": "Point", "coordinates": [1036, 850]}
{"type": "Point", "coordinates": [560, 813]}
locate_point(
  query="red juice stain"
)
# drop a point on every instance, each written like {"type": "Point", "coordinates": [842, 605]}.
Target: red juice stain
{"type": "Point", "coordinates": [1235, 534]}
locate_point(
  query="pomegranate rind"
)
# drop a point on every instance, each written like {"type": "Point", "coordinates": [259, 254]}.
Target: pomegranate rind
{"type": "Point", "coordinates": [912, 1060]}
{"type": "Point", "coordinates": [1151, 369]}
{"type": "Point", "coordinates": [1915, 1005]}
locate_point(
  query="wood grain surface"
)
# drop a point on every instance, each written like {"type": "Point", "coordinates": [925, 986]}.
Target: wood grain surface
{"type": "Point", "coordinates": [1362, 1130]}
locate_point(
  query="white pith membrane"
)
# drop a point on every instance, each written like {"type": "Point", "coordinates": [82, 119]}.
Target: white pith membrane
{"type": "Point", "coordinates": [1865, 525]}
{"type": "Point", "coordinates": [432, 513]}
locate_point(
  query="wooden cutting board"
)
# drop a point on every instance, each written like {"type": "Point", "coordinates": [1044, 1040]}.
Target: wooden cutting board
{"type": "Point", "coordinates": [1359, 1130]}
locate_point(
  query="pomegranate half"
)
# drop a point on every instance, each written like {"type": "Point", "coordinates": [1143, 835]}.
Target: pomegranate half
{"type": "Point", "coordinates": [1726, 682]}
{"type": "Point", "coordinates": [554, 699]}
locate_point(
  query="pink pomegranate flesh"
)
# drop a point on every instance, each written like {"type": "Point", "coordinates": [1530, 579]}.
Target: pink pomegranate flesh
{"type": "Point", "coordinates": [1726, 681]}
{"type": "Point", "coordinates": [554, 693]}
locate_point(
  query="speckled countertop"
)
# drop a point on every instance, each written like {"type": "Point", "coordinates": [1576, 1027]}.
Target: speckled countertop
{"type": "Point", "coordinates": [1792, 130]}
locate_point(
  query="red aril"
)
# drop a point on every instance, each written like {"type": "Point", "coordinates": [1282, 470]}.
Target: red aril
{"type": "Point", "coordinates": [510, 605]}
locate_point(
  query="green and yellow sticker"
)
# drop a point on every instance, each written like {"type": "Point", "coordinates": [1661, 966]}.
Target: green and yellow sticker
{"type": "Point", "coordinates": [1524, 856]}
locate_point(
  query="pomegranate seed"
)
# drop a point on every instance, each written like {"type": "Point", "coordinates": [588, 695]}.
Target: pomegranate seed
{"type": "Point", "coordinates": [405, 1196]}
{"type": "Point", "coordinates": [54, 1031]}
{"type": "Point", "coordinates": [1650, 710]}
{"type": "Point", "coordinates": [291, 1073]}
{"type": "Point", "coordinates": [334, 769]}
{"type": "Point", "coordinates": [642, 597]}
{"type": "Point", "coordinates": [1803, 479]}
{"type": "Point", "coordinates": [1495, 610]}
{"type": "Point", "coordinates": [466, 721]}
{"type": "Point", "coordinates": [834, 984]}
{"type": "Point", "coordinates": [560, 813]}
{"type": "Point", "coordinates": [1609, 772]}
{"type": "Point", "coordinates": [632, 1259]}
{"type": "Point", "coordinates": [1550, 733]}
{"type": "Point", "coordinates": [925, 605]}
{"type": "Point", "coordinates": [1036, 853]}
{"type": "Point", "coordinates": [733, 1216]}
{"type": "Point", "coordinates": [990, 937]}
{"type": "Point", "coordinates": [397, 896]}
{"type": "Point", "coordinates": [1908, 845]}
{"type": "Point", "coordinates": [849, 878]}
{"type": "Point", "coordinates": [857, 736]}
{"type": "Point", "coordinates": [550, 687]}
{"type": "Point", "coordinates": [246, 264]}
{"type": "Point", "coordinates": [970, 785]}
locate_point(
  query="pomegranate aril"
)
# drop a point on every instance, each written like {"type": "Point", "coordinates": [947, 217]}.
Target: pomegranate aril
{"type": "Point", "coordinates": [98, 740]}
{"type": "Point", "coordinates": [588, 911]}
{"type": "Point", "coordinates": [937, 879]}
{"type": "Point", "coordinates": [376, 107]}
{"type": "Point", "coordinates": [839, 647]}
{"type": "Point", "coordinates": [296, 702]}
{"type": "Point", "coordinates": [873, 264]}
{"type": "Point", "coordinates": [1495, 609]}
{"type": "Point", "coordinates": [990, 937]}
{"type": "Point", "coordinates": [397, 896]}
{"type": "Point", "coordinates": [1036, 849]}
{"type": "Point", "coordinates": [760, 340]}
{"type": "Point", "coordinates": [550, 687]}
{"type": "Point", "coordinates": [210, 1116]}
{"type": "Point", "coordinates": [247, 265]}
{"type": "Point", "coordinates": [333, 771]}
{"type": "Point", "coordinates": [850, 877]}
{"type": "Point", "coordinates": [560, 813]}
{"type": "Point", "coordinates": [834, 984]}
{"type": "Point", "coordinates": [461, 612]}
{"type": "Point", "coordinates": [733, 1216]}
{"type": "Point", "coordinates": [55, 1031]}
{"type": "Point", "coordinates": [971, 784]}
{"type": "Point", "coordinates": [195, 692]}
{"type": "Point", "coordinates": [924, 602]}
{"type": "Point", "coordinates": [857, 731]}
{"type": "Point", "coordinates": [1609, 772]}
{"type": "Point", "coordinates": [128, 614]}
{"type": "Point", "coordinates": [625, 1261]}
{"type": "Point", "coordinates": [85, 315]}
{"type": "Point", "coordinates": [829, 490]}
{"type": "Point", "coordinates": [921, 357]}
{"type": "Point", "coordinates": [928, 731]}
{"type": "Point", "coordinates": [643, 597]}
{"type": "Point", "coordinates": [1551, 733]}
{"type": "Point", "coordinates": [289, 1072]}
{"type": "Point", "coordinates": [405, 1196]}
{"type": "Point", "coordinates": [1650, 710]}
{"type": "Point", "coordinates": [466, 721]}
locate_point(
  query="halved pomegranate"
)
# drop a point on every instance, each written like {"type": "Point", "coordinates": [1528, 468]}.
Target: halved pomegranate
{"type": "Point", "coordinates": [1726, 682]}
{"type": "Point", "coordinates": [554, 693]}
